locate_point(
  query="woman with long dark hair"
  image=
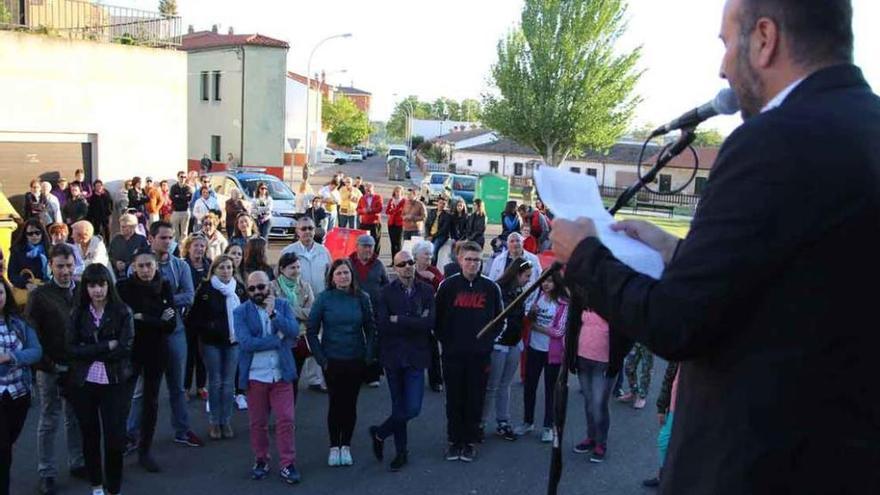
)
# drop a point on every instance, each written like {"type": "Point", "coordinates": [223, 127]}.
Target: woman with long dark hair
{"type": "Point", "coordinates": [256, 258]}
{"type": "Point", "coordinates": [476, 223]}
{"type": "Point", "coordinates": [544, 352]}
{"type": "Point", "coordinates": [152, 304]}
{"type": "Point", "coordinates": [343, 316]}
{"type": "Point", "coordinates": [507, 349]}
{"type": "Point", "coordinates": [99, 345]}
{"type": "Point", "coordinates": [394, 210]}
{"type": "Point", "coordinates": [263, 210]}
{"type": "Point", "coordinates": [19, 350]}
{"type": "Point", "coordinates": [137, 200]}
{"type": "Point", "coordinates": [211, 316]}
{"type": "Point", "coordinates": [243, 228]}
{"type": "Point", "coordinates": [458, 228]}
{"type": "Point", "coordinates": [29, 256]}
{"type": "Point", "coordinates": [509, 220]}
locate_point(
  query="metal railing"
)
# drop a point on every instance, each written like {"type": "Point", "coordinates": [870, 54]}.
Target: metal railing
{"type": "Point", "coordinates": [85, 20]}
{"type": "Point", "coordinates": [679, 199]}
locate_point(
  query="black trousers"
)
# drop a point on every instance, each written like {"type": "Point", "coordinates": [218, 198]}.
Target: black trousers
{"type": "Point", "coordinates": [435, 371]}
{"type": "Point", "coordinates": [372, 373]}
{"type": "Point", "coordinates": [298, 360]}
{"type": "Point", "coordinates": [103, 408]}
{"type": "Point", "coordinates": [395, 234]}
{"type": "Point", "coordinates": [343, 386]}
{"type": "Point", "coordinates": [13, 413]}
{"type": "Point", "coordinates": [536, 363]}
{"type": "Point", "coordinates": [466, 377]}
{"type": "Point", "coordinates": [194, 363]}
{"type": "Point", "coordinates": [102, 228]}
{"type": "Point", "coordinates": [375, 232]}
{"type": "Point", "coordinates": [150, 404]}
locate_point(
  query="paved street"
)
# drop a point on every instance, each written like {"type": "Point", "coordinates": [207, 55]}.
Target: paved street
{"type": "Point", "coordinates": [502, 467]}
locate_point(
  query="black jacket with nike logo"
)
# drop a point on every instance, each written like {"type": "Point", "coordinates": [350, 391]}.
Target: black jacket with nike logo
{"type": "Point", "coordinates": [463, 308]}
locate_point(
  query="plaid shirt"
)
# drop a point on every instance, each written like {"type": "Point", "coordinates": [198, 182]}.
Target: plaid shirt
{"type": "Point", "coordinates": [11, 382]}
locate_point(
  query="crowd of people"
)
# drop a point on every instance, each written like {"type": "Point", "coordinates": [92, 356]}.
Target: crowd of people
{"type": "Point", "coordinates": [171, 297]}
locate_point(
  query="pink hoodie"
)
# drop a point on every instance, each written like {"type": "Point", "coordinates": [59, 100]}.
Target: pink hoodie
{"type": "Point", "coordinates": [593, 343]}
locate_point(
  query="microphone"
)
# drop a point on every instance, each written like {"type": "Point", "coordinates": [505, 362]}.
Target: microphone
{"type": "Point", "coordinates": [724, 103]}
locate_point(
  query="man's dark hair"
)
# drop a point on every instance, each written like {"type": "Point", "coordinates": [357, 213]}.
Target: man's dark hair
{"type": "Point", "coordinates": [64, 250]}
{"type": "Point", "coordinates": [469, 246]}
{"type": "Point", "coordinates": [154, 228]}
{"type": "Point", "coordinates": [819, 31]}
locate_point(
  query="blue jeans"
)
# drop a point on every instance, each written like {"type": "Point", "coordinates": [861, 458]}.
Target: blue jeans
{"type": "Point", "coordinates": [596, 389]}
{"type": "Point", "coordinates": [220, 363]}
{"type": "Point", "coordinates": [407, 386]}
{"type": "Point", "coordinates": [663, 437]}
{"type": "Point", "coordinates": [264, 228]}
{"type": "Point", "coordinates": [173, 381]}
{"type": "Point", "coordinates": [347, 221]}
{"type": "Point", "coordinates": [504, 367]}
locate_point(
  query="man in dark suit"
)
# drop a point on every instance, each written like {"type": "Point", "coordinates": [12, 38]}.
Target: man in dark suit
{"type": "Point", "coordinates": [778, 390]}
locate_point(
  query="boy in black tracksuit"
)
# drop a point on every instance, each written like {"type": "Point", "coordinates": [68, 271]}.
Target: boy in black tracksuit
{"type": "Point", "coordinates": [465, 303]}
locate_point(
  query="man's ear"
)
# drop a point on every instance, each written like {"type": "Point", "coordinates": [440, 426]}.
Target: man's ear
{"type": "Point", "coordinates": [766, 41]}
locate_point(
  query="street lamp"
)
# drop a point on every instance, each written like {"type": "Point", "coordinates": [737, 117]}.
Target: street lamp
{"type": "Point", "coordinates": [408, 127]}
{"type": "Point", "coordinates": [309, 99]}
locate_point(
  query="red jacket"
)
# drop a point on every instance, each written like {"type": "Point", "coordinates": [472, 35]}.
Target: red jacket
{"type": "Point", "coordinates": [369, 216]}
{"type": "Point", "coordinates": [395, 212]}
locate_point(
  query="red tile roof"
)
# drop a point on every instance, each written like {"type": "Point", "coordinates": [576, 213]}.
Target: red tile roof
{"type": "Point", "coordinates": [209, 39]}
{"type": "Point", "coordinates": [316, 84]}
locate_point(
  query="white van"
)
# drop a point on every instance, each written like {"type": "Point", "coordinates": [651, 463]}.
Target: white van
{"type": "Point", "coordinates": [333, 156]}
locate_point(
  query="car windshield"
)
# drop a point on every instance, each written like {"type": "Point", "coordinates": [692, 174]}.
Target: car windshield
{"type": "Point", "coordinates": [397, 152]}
{"type": "Point", "coordinates": [463, 184]}
{"type": "Point", "coordinates": [277, 189]}
{"type": "Point", "coordinates": [438, 179]}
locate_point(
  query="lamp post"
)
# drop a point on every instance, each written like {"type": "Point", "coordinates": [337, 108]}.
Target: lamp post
{"type": "Point", "coordinates": [309, 100]}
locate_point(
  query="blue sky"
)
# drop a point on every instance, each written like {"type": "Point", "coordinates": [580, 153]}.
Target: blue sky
{"type": "Point", "coordinates": [433, 48]}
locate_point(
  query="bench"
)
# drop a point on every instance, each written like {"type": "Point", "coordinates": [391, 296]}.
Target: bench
{"type": "Point", "coordinates": [670, 210]}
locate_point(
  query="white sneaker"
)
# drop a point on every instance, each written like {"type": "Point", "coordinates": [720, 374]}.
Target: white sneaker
{"type": "Point", "coordinates": [547, 435]}
{"type": "Point", "coordinates": [524, 429]}
{"type": "Point", "coordinates": [241, 402]}
{"type": "Point", "coordinates": [333, 458]}
{"type": "Point", "coordinates": [345, 456]}
{"type": "Point", "coordinates": [98, 491]}
{"type": "Point", "coordinates": [374, 384]}
{"type": "Point", "coordinates": [207, 407]}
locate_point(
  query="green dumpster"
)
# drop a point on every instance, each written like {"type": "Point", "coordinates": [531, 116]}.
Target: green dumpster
{"type": "Point", "coordinates": [494, 190]}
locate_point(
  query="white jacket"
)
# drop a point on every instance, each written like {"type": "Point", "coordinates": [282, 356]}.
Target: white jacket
{"type": "Point", "coordinates": [496, 269]}
{"type": "Point", "coordinates": [314, 264]}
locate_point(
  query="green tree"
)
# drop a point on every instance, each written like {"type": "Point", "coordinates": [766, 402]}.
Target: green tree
{"type": "Point", "coordinates": [348, 125]}
{"type": "Point", "coordinates": [440, 109]}
{"type": "Point", "coordinates": [708, 137]}
{"type": "Point", "coordinates": [471, 110]}
{"type": "Point", "coordinates": [561, 85]}
{"type": "Point", "coordinates": [168, 8]}
{"type": "Point", "coordinates": [5, 14]}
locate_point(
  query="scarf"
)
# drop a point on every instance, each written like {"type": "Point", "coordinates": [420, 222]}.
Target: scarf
{"type": "Point", "coordinates": [33, 251]}
{"type": "Point", "coordinates": [232, 301]}
{"type": "Point", "coordinates": [289, 287]}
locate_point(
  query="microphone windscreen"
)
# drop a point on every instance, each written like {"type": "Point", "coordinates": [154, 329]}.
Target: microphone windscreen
{"type": "Point", "coordinates": [726, 102]}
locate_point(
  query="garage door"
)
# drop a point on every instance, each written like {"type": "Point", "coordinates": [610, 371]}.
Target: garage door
{"type": "Point", "coordinates": [21, 162]}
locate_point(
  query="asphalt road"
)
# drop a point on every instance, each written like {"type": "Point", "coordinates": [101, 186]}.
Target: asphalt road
{"type": "Point", "coordinates": [502, 467]}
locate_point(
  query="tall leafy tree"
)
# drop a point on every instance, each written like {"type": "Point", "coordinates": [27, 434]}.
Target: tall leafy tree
{"type": "Point", "coordinates": [708, 137]}
{"type": "Point", "coordinates": [348, 125]}
{"type": "Point", "coordinates": [440, 109]}
{"type": "Point", "coordinates": [561, 85]}
{"type": "Point", "coordinates": [168, 7]}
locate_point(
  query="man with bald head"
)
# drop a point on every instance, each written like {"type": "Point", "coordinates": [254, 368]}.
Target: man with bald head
{"type": "Point", "coordinates": [514, 250]}
{"type": "Point", "coordinates": [405, 316]}
{"type": "Point", "coordinates": [266, 330]}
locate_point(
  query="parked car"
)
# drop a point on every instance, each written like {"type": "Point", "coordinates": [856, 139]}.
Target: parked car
{"type": "Point", "coordinates": [284, 214]}
{"type": "Point", "coordinates": [433, 185]}
{"type": "Point", "coordinates": [333, 156]}
{"type": "Point", "coordinates": [461, 186]}
{"type": "Point", "coordinates": [356, 156]}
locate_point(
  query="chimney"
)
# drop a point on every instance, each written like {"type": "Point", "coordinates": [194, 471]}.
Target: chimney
{"type": "Point", "coordinates": [191, 29]}
{"type": "Point", "coordinates": [231, 32]}
{"type": "Point", "coordinates": [214, 29]}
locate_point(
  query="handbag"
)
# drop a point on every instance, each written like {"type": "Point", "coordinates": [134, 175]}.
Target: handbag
{"type": "Point", "coordinates": [21, 295]}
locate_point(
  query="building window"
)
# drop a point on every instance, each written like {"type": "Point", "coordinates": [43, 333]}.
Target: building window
{"type": "Point", "coordinates": [206, 90]}
{"type": "Point", "coordinates": [665, 183]}
{"type": "Point", "coordinates": [216, 85]}
{"type": "Point", "coordinates": [517, 169]}
{"type": "Point", "coordinates": [591, 172]}
{"type": "Point", "coordinates": [215, 148]}
{"type": "Point", "coordinates": [700, 185]}
{"type": "Point", "coordinates": [493, 167]}
{"type": "Point", "coordinates": [470, 162]}
{"type": "Point", "coordinates": [576, 170]}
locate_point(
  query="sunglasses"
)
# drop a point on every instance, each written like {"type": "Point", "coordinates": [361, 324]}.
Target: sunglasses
{"type": "Point", "coordinates": [34, 233]}
{"type": "Point", "coordinates": [254, 288]}
{"type": "Point", "coordinates": [405, 263]}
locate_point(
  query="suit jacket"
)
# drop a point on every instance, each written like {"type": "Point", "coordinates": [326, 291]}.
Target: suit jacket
{"type": "Point", "coordinates": [778, 389]}
{"type": "Point", "coordinates": [405, 343]}
{"type": "Point", "coordinates": [249, 334]}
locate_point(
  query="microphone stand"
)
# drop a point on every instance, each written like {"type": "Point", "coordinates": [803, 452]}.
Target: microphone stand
{"type": "Point", "coordinates": [576, 307]}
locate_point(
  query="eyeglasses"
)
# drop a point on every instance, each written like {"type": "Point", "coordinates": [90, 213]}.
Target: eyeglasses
{"type": "Point", "coordinates": [144, 265]}
{"type": "Point", "coordinates": [254, 288]}
{"type": "Point", "coordinates": [34, 233]}
{"type": "Point", "coordinates": [405, 263]}
{"type": "Point", "coordinates": [472, 260]}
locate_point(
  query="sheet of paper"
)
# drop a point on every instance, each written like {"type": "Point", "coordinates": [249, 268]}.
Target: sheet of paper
{"type": "Point", "coordinates": [571, 196]}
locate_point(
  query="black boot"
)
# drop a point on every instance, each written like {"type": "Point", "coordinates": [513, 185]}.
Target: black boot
{"type": "Point", "coordinates": [378, 444]}
{"type": "Point", "coordinates": [398, 462]}
{"type": "Point", "coordinates": [147, 462]}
